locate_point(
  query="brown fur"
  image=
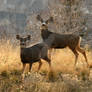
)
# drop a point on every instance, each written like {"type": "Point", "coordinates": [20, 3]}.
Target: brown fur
{"type": "Point", "coordinates": [32, 54]}
{"type": "Point", "coordinates": [59, 41]}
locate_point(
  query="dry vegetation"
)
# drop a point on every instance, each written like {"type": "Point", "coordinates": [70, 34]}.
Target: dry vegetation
{"type": "Point", "coordinates": [62, 78]}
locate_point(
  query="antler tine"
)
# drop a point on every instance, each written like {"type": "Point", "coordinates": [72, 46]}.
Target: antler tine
{"type": "Point", "coordinates": [39, 18]}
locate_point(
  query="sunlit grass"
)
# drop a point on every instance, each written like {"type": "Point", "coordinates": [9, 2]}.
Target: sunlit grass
{"type": "Point", "coordinates": [9, 56]}
{"type": "Point", "coordinates": [62, 60]}
{"type": "Point", "coordinates": [62, 63]}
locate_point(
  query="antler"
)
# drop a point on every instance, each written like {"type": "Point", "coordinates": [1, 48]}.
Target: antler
{"type": "Point", "coordinates": [39, 18]}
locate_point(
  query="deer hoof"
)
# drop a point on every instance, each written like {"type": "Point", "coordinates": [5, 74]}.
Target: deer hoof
{"type": "Point", "coordinates": [23, 76]}
{"type": "Point", "coordinates": [29, 73]}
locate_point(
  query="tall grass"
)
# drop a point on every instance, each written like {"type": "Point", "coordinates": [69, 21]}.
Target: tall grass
{"type": "Point", "coordinates": [62, 60]}
{"type": "Point", "coordinates": [62, 63]}
{"type": "Point", "coordinates": [9, 56]}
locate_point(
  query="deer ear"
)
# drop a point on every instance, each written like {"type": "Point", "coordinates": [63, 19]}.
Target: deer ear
{"type": "Point", "coordinates": [39, 18]}
{"type": "Point", "coordinates": [17, 37]}
{"type": "Point", "coordinates": [28, 37]}
{"type": "Point", "coordinates": [50, 20]}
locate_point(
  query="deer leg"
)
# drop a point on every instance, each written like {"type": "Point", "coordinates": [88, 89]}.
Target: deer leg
{"type": "Point", "coordinates": [76, 55]}
{"type": "Point", "coordinates": [23, 74]}
{"type": "Point", "coordinates": [40, 64]}
{"type": "Point", "coordinates": [24, 65]}
{"type": "Point", "coordinates": [84, 54]}
{"type": "Point", "coordinates": [49, 61]}
{"type": "Point", "coordinates": [49, 53]}
{"type": "Point", "coordinates": [30, 67]}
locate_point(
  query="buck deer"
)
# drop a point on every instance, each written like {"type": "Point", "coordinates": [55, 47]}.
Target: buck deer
{"type": "Point", "coordinates": [32, 54]}
{"type": "Point", "coordinates": [59, 41]}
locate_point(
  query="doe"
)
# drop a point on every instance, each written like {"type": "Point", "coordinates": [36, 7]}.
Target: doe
{"type": "Point", "coordinates": [59, 41]}
{"type": "Point", "coordinates": [32, 54]}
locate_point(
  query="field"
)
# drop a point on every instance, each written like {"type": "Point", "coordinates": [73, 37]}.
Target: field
{"type": "Point", "coordinates": [64, 77]}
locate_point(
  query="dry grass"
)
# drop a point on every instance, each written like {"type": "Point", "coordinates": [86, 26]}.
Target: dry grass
{"type": "Point", "coordinates": [62, 63]}
{"type": "Point", "coordinates": [62, 60]}
{"type": "Point", "coordinates": [9, 56]}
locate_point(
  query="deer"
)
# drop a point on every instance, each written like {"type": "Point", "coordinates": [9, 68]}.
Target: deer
{"type": "Point", "coordinates": [60, 41]}
{"type": "Point", "coordinates": [32, 54]}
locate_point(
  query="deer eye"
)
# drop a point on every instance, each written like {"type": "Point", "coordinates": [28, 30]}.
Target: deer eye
{"type": "Point", "coordinates": [25, 39]}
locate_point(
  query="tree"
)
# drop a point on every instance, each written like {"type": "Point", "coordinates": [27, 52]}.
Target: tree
{"type": "Point", "coordinates": [68, 15]}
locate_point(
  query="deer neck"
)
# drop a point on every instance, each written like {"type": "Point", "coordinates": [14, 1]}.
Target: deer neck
{"type": "Point", "coordinates": [22, 49]}
{"type": "Point", "coordinates": [42, 30]}
{"type": "Point", "coordinates": [45, 34]}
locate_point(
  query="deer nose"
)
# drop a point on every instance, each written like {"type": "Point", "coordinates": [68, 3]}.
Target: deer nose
{"type": "Point", "coordinates": [22, 44]}
{"type": "Point", "coordinates": [43, 25]}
